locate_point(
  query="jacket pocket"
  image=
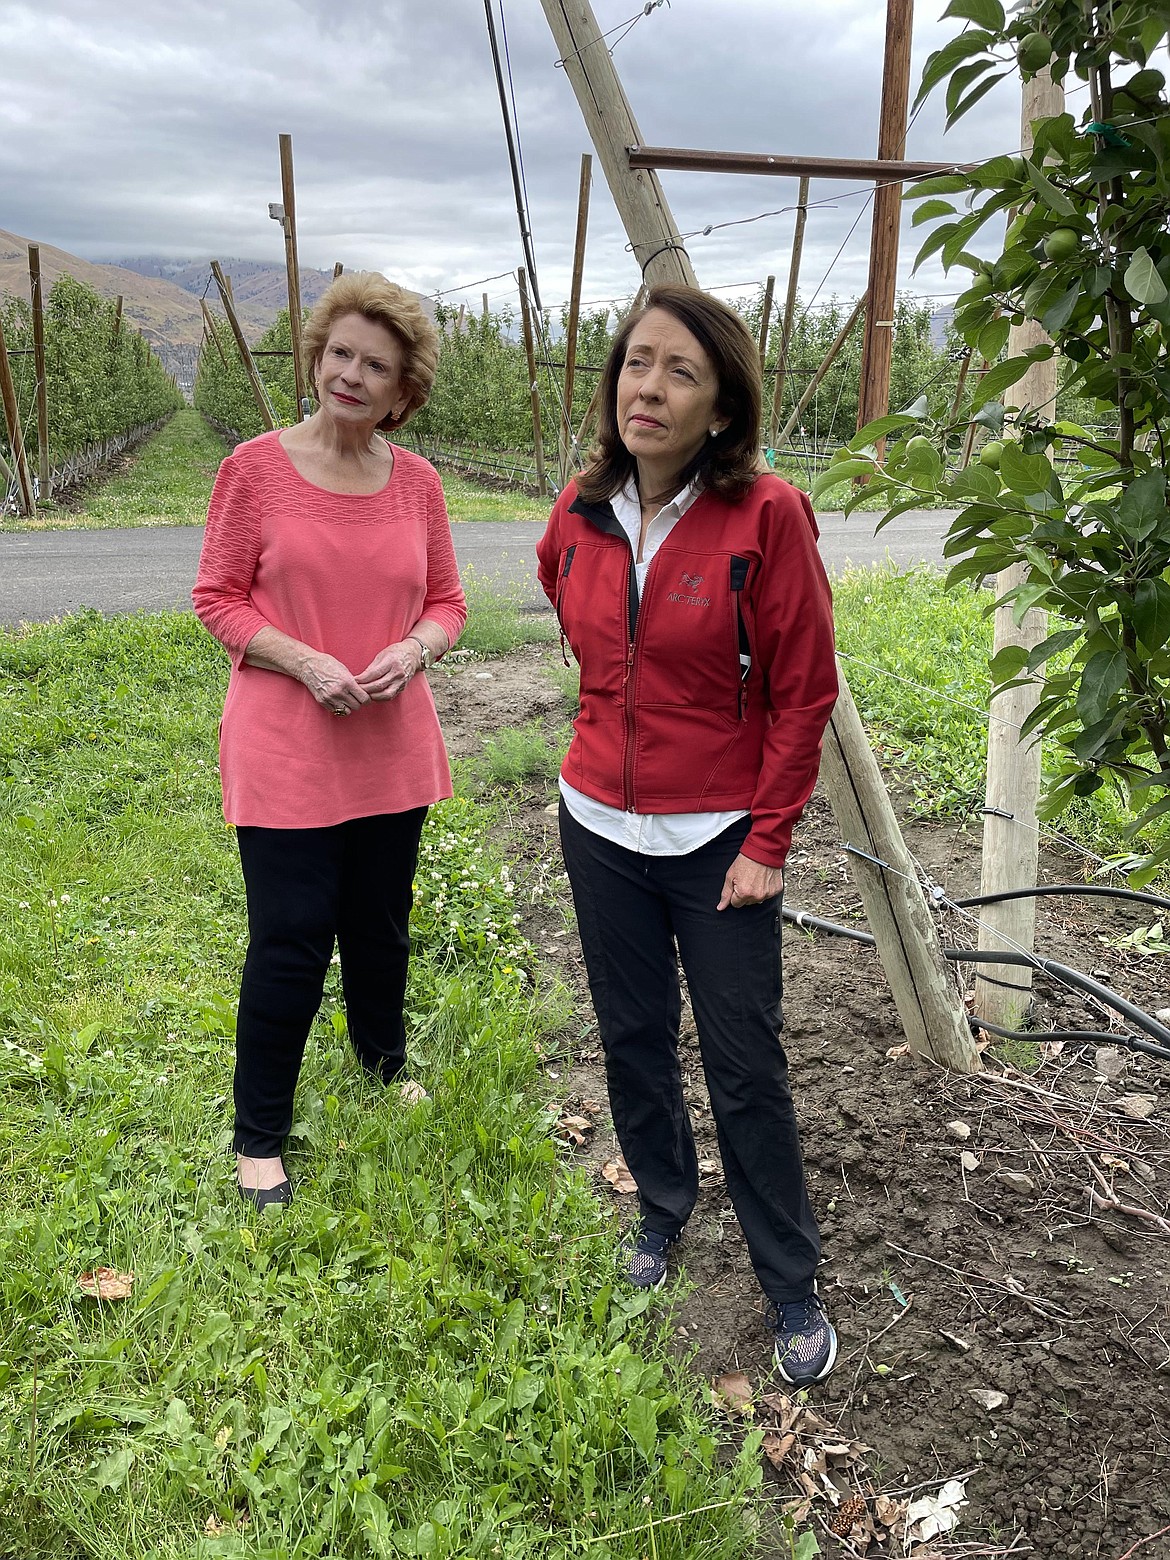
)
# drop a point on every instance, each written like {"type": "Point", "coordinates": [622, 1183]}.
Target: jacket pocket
{"type": "Point", "coordinates": [739, 573]}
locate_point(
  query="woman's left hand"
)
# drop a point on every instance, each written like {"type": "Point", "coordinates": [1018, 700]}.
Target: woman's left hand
{"type": "Point", "coordinates": [749, 883]}
{"type": "Point", "coordinates": [391, 669]}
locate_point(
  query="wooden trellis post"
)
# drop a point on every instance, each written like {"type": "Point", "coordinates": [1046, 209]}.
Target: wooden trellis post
{"type": "Point", "coordinates": [288, 221]}
{"type": "Point", "coordinates": [15, 432]}
{"type": "Point", "coordinates": [789, 309]}
{"type": "Point", "coordinates": [267, 415]}
{"type": "Point", "coordinates": [766, 320]}
{"type": "Point", "coordinates": [566, 449]}
{"type": "Point", "coordinates": [1011, 842]}
{"type": "Point", "coordinates": [210, 330]}
{"type": "Point", "coordinates": [533, 388]}
{"type": "Point", "coordinates": [36, 295]}
{"type": "Point", "coordinates": [907, 942]}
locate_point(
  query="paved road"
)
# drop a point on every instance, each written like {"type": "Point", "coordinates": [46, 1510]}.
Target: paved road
{"type": "Point", "coordinates": [48, 573]}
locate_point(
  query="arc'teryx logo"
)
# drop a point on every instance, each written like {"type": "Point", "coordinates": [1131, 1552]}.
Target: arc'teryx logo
{"type": "Point", "coordinates": [687, 595]}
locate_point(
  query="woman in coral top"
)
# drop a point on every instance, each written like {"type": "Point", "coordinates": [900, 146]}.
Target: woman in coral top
{"type": "Point", "coordinates": [328, 574]}
{"type": "Point", "coordinates": [688, 584]}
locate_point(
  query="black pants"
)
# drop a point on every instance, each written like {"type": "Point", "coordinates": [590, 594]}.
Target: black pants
{"type": "Point", "coordinates": [306, 888]}
{"type": "Point", "coordinates": [633, 911]}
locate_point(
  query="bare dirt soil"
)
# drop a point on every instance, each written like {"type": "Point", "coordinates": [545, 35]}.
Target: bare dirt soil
{"type": "Point", "coordinates": [997, 1256]}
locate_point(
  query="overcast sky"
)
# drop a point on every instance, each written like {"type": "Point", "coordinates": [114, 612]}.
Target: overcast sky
{"type": "Point", "coordinates": [141, 128]}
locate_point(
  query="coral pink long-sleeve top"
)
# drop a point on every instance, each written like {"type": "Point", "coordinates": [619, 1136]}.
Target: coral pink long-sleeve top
{"type": "Point", "coordinates": [347, 574]}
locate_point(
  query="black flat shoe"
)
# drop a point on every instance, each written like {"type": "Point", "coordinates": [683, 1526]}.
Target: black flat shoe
{"type": "Point", "coordinates": [262, 1196]}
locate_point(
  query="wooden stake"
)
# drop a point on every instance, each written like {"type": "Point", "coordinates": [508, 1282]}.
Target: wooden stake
{"type": "Point", "coordinates": [36, 293]}
{"type": "Point", "coordinates": [827, 362]}
{"type": "Point", "coordinates": [15, 433]}
{"type": "Point", "coordinates": [927, 1001]}
{"type": "Point", "coordinates": [267, 415]}
{"type": "Point", "coordinates": [117, 320]}
{"type": "Point", "coordinates": [292, 268]}
{"type": "Point", "coordinates": [789, 309]}
{"type": "Point", "coordinates": [337, 269]}
{"type": "Point", "coordinates": [765, 320]}
{"type": "Point", "coordinates": [209, 327]}
{"type": "Point", "coordinates": [610, 121]}
{"type": "Point", "coordinates": [566, 441]}
{"type": "Point", "coordinates": [877, 347]}
{"type": "Point", "coordinates": [534, 393]}
{"type": "Point", "coordinates": [1011, 842]}
{"type": "Point", "coordinates": [460, 320]}
{"type": "Point", "coordinates": [895, 905]}
{"type": "Point", "coordinates": [485, 306]}
{"type": "Point", "coordinates": [858, 170]}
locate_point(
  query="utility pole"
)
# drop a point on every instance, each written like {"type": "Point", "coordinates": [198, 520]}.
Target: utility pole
{"type": "Point", "coordinates": [288, 221]}
{"type": "Point", "coordinates": [36, 293]}
{"type": "Point", "coordinates": [907, 939]}
{"type": "Point", "coordinates": [878, 342]}
{"type": "Point", "coordinates": [1011, 843]}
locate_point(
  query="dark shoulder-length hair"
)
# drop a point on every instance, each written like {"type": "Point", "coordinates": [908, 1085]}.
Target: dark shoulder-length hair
{"type": "Point", "coordinates": [729, 463]}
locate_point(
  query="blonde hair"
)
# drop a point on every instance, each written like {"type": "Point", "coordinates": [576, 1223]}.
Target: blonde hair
{"type": "Point", "coordinates": [369, 294]}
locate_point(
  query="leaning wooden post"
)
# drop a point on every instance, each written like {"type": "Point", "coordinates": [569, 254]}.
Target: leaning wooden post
{"type": "Point", "coordinates": [827, 362]}
{"type": "Point", "coordinates": [36, 293]}
{"type": "Point", "coordinates": [878, 345]}
{"type": "Point", "coordinates": [566, 442]}
{"type": "Point", "coordinates": [1011, 842]}
{"type": "Point", "coordinates": [288, 197]}
{"type": "Point", "coordinates": [15, 433]}
{"type": "Point", "coordinates": [209, 326]}
{"type": "Point", "coordinates": [117, 331]}
{"type": "Point", "coordinates": [765, 320]}
{"type": "Point", "coordinates": [938, 1023]}
{"type": "Point", "coordinates": [895, 905]}
{"type": "Point", "coordinates": [789, 310]}
{"type": "Point", "coordinates": [533, 390]}
{"type": "Point", "coordinates": [611, 124]}
{"type": "Point", "coordinates": [267, 415]}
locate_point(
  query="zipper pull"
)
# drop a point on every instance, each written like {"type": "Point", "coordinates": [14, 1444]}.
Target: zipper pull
{"type": "Point", "coordinates": [629, 664]}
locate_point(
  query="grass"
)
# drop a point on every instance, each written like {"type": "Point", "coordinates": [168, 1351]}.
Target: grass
{"type": "Point", "coordinates": [469, 501]}
{"type": "Point", "coordinates": [915, 655]}
{"type": "Point", "coordinates": [499, 620]}
{"type": "Point", "coordinates": [168, 482]}
{"type": "Point", "coordinates": [427, 1354]}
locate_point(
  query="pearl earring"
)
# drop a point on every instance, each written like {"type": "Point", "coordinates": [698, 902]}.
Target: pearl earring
{"type": "Point", "coordinates": [715, 432]}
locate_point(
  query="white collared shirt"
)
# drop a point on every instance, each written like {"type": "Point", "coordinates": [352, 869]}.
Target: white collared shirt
{"type": "Point", "coordinates": [649, 834]}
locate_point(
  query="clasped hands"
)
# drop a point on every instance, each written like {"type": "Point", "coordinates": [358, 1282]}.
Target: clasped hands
{"type": "Point", "coordinates": [336, 688]}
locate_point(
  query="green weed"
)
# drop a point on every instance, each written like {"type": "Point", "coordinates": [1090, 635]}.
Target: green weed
{"type": "Point", "coordinates": [469, 501]}
{"type": "Point", "coordinates": [500, 621]}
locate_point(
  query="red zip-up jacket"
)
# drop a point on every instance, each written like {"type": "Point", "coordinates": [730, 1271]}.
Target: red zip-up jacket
{"type": "Point", "coordinates": [713, 692]}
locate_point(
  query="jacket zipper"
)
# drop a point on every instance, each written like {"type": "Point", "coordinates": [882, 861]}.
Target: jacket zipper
{"type": "Point", "coordinates": [632, 605]}
{"type": "Point", "coordinates": [739, 574]}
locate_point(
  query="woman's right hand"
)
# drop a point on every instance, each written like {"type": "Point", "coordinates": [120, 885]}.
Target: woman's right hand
{"type": "Point", "coordinates": [331, 683]}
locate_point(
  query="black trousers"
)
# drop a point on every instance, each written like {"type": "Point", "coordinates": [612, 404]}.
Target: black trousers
{"type": "Point", "coordinates": [633, 911]}
{"type": "Point", "coordinates": [307, 888]}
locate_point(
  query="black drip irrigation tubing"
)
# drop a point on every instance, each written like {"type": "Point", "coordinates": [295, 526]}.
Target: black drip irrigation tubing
{"type": "Point", "coordinates": [1121, 1005]}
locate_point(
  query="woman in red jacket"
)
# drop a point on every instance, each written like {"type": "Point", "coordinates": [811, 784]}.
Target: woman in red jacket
{"type": "Point", "coordinates": [688, 585]}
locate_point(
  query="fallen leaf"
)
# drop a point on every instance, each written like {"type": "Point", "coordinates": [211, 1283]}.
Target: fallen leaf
{"type": "Point", "coordinates": [777, 1447]}
{"type": "Point", "coordinates": [897, 1050]}
{"type": "Point", "coordinates": [708, 1167]}
{"type": "Point", "coordinates": [213, 1527]}
{"type": "Point", "coordinates": [960, 1343]}
{"type": "Point", "coordinates": [1115, 1162]}
{"type": "Point", "coordinates": [989, 1399]}
{"type": "Point", "coordinates": [1049, 1050]}
{"type": "Point", "coordinates": [617, 1173]}
{"type": "Point", "coordinates": [734, 1392]}
{"type": "Point", "coordinates": [591, 1107]}
{"type": "Point", "coordinates": [889, 1512]}
{"type": "Point", "coordinates": [968, 1160]}
{"type": "Point", "coordinates": [574, 1128]}
{"type": "Point", "coordinates": [1139, 1107]}
{"type": "Point", "coordinates": [106, 1284]}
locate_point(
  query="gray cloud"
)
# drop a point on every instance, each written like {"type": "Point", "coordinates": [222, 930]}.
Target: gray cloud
{"type": "Point", "coordinates": [150, 129]}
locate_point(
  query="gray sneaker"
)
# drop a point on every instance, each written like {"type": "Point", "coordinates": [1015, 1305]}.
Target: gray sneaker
{"type": "Point", "coordinates": [806, 1342]}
